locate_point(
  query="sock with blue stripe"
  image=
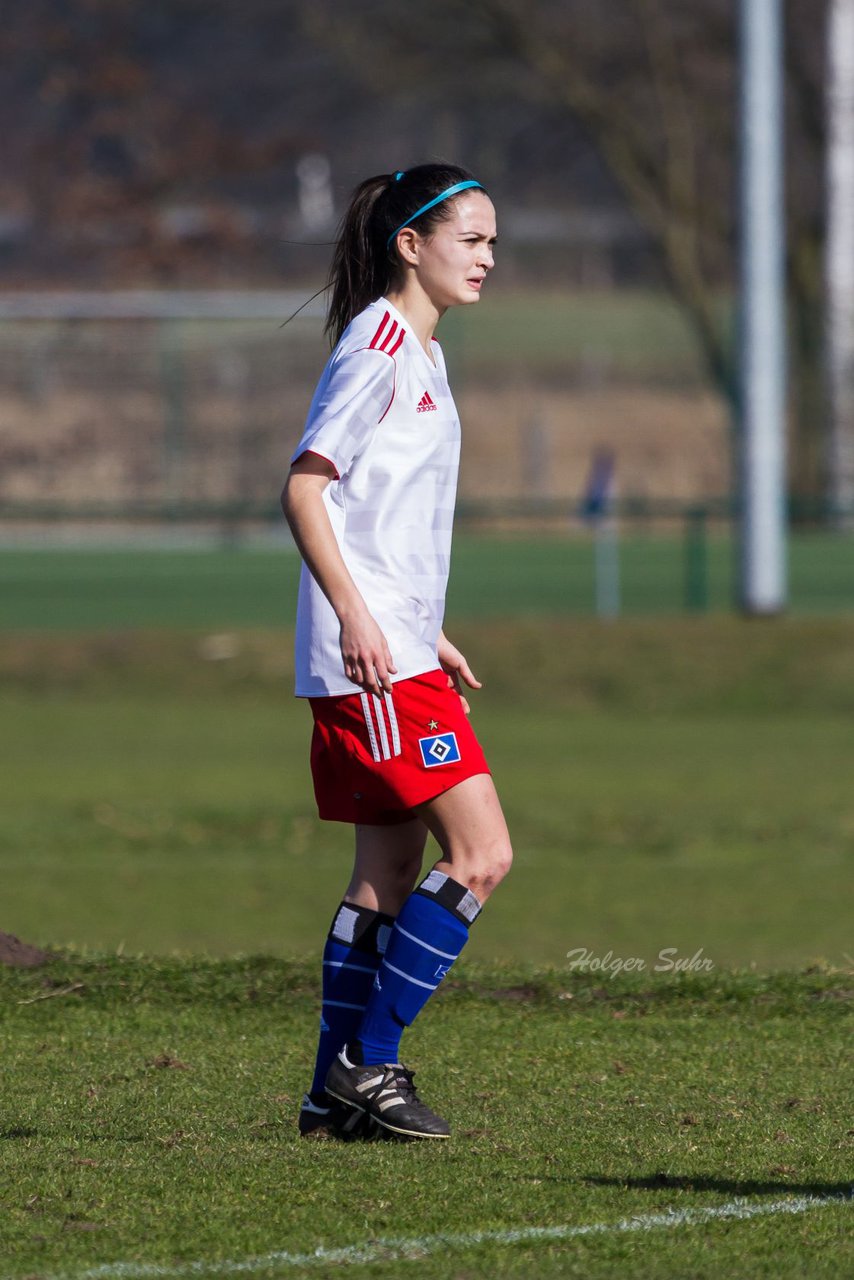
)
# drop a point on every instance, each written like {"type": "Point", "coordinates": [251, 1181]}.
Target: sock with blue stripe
{"type": "Point", "coordinates": [428, 935]}
{"type": "Point", "coordinates": [351, 956]}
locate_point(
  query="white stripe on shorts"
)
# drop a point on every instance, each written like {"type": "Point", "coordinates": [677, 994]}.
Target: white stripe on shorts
{"type": "Point", "coordinates": [378, 708]}
{"type": "Point", "coordinates": [377, 730]}
{"type": "Point", "coordinates": [366, 708]}
{"type": "Point", "coordinates": [392, 719]}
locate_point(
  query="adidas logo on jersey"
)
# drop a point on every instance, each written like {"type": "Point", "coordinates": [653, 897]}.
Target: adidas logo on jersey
{"type": "Point", "coordinates": [425, 404]}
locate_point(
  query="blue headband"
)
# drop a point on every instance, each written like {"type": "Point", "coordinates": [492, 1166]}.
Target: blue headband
{"type": "Point", "coordinates": [452, 191]}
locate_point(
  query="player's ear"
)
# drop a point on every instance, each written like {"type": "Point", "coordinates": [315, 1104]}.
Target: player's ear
{"type": "Point", "coordinates": [407, 245]}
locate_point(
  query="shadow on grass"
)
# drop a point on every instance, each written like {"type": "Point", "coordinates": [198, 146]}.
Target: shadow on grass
{"type": "Point", "coordinates": [727, 1186]}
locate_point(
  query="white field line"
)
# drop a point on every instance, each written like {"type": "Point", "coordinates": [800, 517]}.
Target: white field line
{"type": "Point", "coordinates": [388, 1249]}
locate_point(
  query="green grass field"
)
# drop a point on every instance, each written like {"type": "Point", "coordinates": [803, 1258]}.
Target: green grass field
{"type": "Point", "coordinates": [677, 785]}
{"type": "Point", "coordinates": [667, 785]}
{"type": "Point", "coordinates": [146, 1121]}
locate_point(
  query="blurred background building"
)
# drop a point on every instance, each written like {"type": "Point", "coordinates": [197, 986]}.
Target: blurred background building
{"type": "Point", "coordinates": [187, 164]}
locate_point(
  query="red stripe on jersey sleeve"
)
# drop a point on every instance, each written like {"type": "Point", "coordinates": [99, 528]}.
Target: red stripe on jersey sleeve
{"type": "Point", "coordinates": [389, 337]}
{"type": "Point", "coordinates": [375, 339]}
{"type": "Point", "coordinates": [391, 350]}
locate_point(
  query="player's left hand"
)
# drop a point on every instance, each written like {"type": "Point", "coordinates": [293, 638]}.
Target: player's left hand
{"type": "Point", "coordinates": [454, 663]}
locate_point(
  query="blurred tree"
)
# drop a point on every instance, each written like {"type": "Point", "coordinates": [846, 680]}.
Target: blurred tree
{"type": "Point", "coordinates": [125, 122]}
{"type": "Point", "coordinates": [654, 83]}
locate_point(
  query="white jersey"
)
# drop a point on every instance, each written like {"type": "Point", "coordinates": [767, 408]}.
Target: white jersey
{"type": "Point", "coordinates": [384, 417]}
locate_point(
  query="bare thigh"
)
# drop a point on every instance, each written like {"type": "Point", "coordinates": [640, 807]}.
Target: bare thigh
{"type": "Point", "coordinates": [388, 861]}
{"type": "Point", "coordinates": [468, 824]}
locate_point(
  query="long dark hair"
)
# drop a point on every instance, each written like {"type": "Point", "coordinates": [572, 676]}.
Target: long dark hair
{"type": "Point", "coordinates": [364, 263]}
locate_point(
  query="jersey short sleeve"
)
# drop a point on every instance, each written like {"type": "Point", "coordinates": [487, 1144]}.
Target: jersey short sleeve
{"type": "Point", "coordinates": [353, 396]}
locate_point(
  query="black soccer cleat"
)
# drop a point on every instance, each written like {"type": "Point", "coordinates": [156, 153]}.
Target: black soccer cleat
{"type": "Point", "coordinates": [386, 1094]}
{"type": "Point", "coordinates": [324, 1117]}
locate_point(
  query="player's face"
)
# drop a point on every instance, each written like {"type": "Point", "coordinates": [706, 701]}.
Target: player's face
{"type": "Point", "coordinates": [455, 259]}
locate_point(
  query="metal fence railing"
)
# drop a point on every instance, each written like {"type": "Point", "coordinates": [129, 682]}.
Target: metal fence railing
{"type": "Point", "coordinates": [186, 406]}
{"type": "Point", "coordinates": [173, 414]}
{"type": "Point", "coordinates": [148, 405]}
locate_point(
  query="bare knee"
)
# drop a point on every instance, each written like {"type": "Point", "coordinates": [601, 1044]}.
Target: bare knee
{"type": "Point", "coordinates": [388, 861]}
{"type": "Point", "coordinates": [492, 871]}
{"type": "Point", "coordinates": [469, 827]}
{"type": "Point", "coordinates": [388, 892]}
{"type": "Point", "coordinates": [404, 872]}
{"type": "Point", "coordinates": [481, 869]}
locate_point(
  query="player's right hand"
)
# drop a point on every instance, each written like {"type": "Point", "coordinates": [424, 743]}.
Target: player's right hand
{"type": "Point", "coordinates": [366, 655]}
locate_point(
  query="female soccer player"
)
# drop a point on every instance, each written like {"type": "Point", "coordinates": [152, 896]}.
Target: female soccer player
{"type": "Point", "coordinates": [370, 499]}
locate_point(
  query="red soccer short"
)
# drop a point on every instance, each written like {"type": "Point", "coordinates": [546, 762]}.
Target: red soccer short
{"type": "Point", "coordinates": [373, 759]}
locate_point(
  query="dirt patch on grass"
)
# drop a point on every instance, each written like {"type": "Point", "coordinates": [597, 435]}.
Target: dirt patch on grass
{"type": "Point", "coordinates": [20, 955]}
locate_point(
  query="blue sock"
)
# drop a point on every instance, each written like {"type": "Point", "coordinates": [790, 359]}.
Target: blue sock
{"type": "Point", "coordinates": [428, 935]}
{"type": "Point", "coordinates": [352, 954]}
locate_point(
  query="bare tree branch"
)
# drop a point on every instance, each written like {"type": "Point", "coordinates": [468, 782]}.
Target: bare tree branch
{"type": "Point", "coordinates": [662, 191]}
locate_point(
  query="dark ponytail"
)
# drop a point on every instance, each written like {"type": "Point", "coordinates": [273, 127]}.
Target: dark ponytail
{"type": "Point", "coordinates": [365, 264]}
